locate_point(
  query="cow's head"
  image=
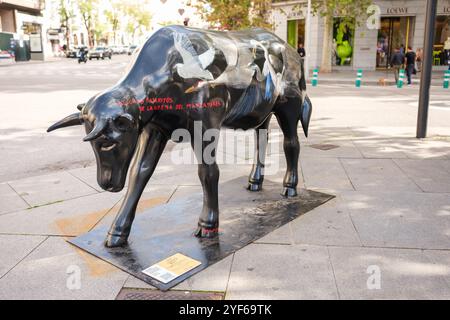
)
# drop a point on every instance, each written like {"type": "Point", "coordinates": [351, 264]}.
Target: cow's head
{"type": "Point", "coordinates": [113, 133]}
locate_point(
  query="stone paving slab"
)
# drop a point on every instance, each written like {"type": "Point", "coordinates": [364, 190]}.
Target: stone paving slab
{"type": "Point", "coordinates": [13, 248]}
{"type": "Point", "coordinates": [10, 201]}
{"type": "Point", "coordinates": [429, 175]}
{"type": "Point", "coordinates": [325, 174]}
{"type": "Point", "coordinates": [401, 219]}
{"type": "Point", "coordinates": [377, 175]}
{"type": "Point", "coordinates": [329, 224]}
{"type": "Point", "coordinates": [50, 188]}
{"type": "Point", "coordinates": [404, 274]}
{"type": "Point", "coordinates": [67, 218]}
{"type": "Point", "coordinates": [51, 272]}
{"type": "Point", "coordinates": [88, 175]}
{"type": "Point", "coordinates": [262, 271]}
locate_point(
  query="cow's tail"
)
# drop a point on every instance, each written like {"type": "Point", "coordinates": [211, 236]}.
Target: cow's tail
{"type": "Point", "coordinates": [306, 108]}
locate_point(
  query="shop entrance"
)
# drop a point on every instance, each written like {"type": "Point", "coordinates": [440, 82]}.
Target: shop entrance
{"type": "Point", "coordinates": [394, 32]}
{"type": "Point", "coordinates": [296, 32]}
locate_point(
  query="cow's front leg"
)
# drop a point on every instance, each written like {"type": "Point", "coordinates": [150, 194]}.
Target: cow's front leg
{"type": "Point", "coordinates": [208, 223]}
{"type": "Point", "coordinates": [148, 151]}
{"type": "Point", "coordinates": [204, 143]}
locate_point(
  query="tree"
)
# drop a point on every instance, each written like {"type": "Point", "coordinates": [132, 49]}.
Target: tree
{"type": "Point", "coordinates": [351, 13]}
{"type": "Point", "coordinates": [113, 14]}
{"type": "Point", "coordinates": [88, 13]}
{"type": "Point", "coordinates": [235, 14]}
{"type": "Point", "coordinates": [66, 13]}
{"type": "Point", "coordinates": [138, 19]}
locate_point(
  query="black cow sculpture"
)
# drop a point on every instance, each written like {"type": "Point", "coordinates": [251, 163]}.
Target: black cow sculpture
{"type": "Point", "coordinates": [182, 75]}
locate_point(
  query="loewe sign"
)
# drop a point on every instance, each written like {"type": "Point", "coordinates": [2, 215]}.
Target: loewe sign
{"type": "Point", "coordinates": [446, 10]}
{"type": "Point", "coordinates": [397, 10]}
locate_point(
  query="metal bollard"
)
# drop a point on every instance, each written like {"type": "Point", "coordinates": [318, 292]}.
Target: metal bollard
{"type": "Point", "coordinates": [446, 79]}
{"type": "Point", "coordinates": [359, 75]}
{"type": "Point", "coordinates": [315, 78]}
{"type": "Point", "coordinates": [401, 78]}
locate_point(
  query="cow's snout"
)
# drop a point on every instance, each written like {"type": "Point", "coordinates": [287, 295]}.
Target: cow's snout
{"type": "Point", "coordinates": [109, 181]}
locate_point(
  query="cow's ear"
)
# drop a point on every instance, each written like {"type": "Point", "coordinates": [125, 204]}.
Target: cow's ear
{"type": "Point", "coordinates": [124, 122]}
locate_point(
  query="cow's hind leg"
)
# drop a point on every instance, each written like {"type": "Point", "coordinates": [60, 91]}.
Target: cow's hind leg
{"type": "Point", "coordinates": [256, 178]}
{"type": "Point", "coordinates": [288, 116]}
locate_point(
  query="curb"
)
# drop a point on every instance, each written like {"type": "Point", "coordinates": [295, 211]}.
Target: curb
{"type": "Point", "coordinates": [371, 83]}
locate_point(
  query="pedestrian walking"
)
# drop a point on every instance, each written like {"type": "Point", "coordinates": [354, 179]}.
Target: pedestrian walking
{"type": "Point", "coordinates": [419, 59]}
{"type": "Point", "coordinates": [301, 50]}
{"type": "Point", "coordinates": [397, 61]}
{"type": "Point", "coordinates": [410, 62]}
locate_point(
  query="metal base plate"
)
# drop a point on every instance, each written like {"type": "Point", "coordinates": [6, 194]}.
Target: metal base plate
{"type": "Point", "coordinates": [168, 229]}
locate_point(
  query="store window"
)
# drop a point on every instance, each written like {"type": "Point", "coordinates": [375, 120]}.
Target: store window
{"type": "Point", "coordinates": [343, 35]}
{"type": "Point", "coordinates": [441, 50]}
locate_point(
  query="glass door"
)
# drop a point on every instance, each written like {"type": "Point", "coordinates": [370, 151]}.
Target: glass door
{"type": "Point", "coordinates": [394, 32]}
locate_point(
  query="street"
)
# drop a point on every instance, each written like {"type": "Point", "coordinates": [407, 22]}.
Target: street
{"type": "Point", "coordinates": [34, 96]}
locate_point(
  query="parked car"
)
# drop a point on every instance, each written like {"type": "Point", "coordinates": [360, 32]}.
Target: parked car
{"type": "Point", "coordinates": [124, 49]}
{"type": "Point", "coordinates": [115, 49]}
{"type": "Point", "coordinates": [100, 53]}
{"type": "Point", "coordinates": [131, 49]}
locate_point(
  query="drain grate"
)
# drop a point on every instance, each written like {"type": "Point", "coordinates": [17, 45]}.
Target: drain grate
{"type": "Point", "coordinates": [146, 294]}
{"type": "Point", "coordinates": [324, 146]}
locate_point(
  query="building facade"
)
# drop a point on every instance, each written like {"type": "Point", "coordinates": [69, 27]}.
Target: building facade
{"type": "Point", "coordinates": [370, 44]}
{"type": "Point", "coordinates": [22, 28]}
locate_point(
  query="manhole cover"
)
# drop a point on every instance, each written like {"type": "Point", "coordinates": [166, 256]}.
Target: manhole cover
{"type": "Point", "coordinates": [145, 294]}
{"type": "Point", "coordinates": [324, 146]}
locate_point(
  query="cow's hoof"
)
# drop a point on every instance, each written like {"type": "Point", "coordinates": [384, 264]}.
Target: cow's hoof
{"type": "Point", "coordinates": [289, 192]}
{"type": "Point", "coordinates": [114, 241]}
{"type": "Point", "coordinates": [203, 232]}
{"type": "Point", "coordinates": [254, 187]}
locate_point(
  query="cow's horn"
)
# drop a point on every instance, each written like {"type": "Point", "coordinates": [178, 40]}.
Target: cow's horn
{"type": "Point", "coordinates": [81, 106]}
{"type": "Point", "coordinates": [100, 126]}
{"type": "Point", "coordinates": [72, 120]}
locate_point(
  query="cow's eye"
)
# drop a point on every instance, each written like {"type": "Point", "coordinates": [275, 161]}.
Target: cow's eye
{"type": "Point", "coordinates": [123, 123]}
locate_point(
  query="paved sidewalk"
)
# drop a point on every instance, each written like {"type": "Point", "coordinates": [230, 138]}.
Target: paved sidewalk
{"type": "Point", "coordinates": [391, 214]}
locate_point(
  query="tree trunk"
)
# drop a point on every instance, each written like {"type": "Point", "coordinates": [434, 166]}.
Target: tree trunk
{"type": "Point", "coordinates": [67, 35]}
{"type": "Point", "coordinates": [327, 45]}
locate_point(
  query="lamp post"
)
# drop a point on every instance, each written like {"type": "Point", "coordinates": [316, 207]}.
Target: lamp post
{"type": "Point", "coordinates": [425, 82]}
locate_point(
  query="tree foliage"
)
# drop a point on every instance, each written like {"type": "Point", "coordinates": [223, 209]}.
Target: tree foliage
{"type": "Point", "coordinates": [138, 19]}
{"type": "Point", "coordinates": [88, 14]}
{"type": "Point", "coordinates": [66, 13]}
{"type": "Point", "coordinates": [235, 14]}
{"type": "Point", "coordinates": [352, 12]}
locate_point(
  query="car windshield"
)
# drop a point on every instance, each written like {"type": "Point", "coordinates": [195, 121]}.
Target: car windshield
{"type": "Point", "coordinates": [99, 49]}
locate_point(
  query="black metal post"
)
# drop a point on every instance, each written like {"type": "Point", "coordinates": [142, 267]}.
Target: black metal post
{"type": "Point", "coordinates": [425, 82]}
